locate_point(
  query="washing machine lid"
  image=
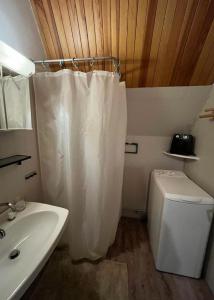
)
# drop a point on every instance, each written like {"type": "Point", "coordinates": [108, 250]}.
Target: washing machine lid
{"type": "Point", "coordinates": [179, 187]}
{"type": "Point", "coordinates": [168, 173]}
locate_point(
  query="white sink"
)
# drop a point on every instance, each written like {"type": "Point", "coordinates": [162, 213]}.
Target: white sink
{"type": "Point", "coordinates": [35, 233]}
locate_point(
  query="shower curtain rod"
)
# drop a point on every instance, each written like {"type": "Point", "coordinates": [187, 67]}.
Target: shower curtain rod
{"type": "Point", "coordinates": [75, 60]}
{"type": "Point", "coordinates": [115, 60]}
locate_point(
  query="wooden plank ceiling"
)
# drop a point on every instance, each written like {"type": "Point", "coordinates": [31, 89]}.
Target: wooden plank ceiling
{"type": "Point", "coordinates": [159, 42]}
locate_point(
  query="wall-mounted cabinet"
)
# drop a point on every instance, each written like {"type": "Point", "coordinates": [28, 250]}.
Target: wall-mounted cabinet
{"type": "Point", "coordinates": [15, 69]}
{"type": "Point", "coordinates": [15, 110]}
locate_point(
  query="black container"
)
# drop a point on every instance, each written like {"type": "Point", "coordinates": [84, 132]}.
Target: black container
{"type": "Point", "coordinates": [182, 144]}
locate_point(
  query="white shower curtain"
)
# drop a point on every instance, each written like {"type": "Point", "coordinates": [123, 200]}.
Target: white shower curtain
{"type": "Point", "coordinates": [81, 120]}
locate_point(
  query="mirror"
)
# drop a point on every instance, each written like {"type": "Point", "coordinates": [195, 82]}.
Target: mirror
{"type": "Point", "coordinates": [15, 69]}
{"type": "Point", "coordinates": [15, 107]}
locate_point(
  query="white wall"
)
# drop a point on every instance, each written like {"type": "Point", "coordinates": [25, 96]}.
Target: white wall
{"type": "Point", "coordinates": [139, 166]}
{"type": "Point", "coordinates": [18, 29]}
{"type": "Point", "coordinates": [202, 171]}
{"type": "Point", "coordinates": [154, 114]}
{"type": "Point", "coordinates": [165, 110]}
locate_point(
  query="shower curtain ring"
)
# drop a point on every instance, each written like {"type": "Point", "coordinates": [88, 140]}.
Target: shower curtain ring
{"type": "Point", "coordinates": [61, 63]}
{"type": "Point", "coordinates": [118, 68]}
{"type": "Point", "coordinates": [43, 65]}
{"type": "Point", "coordinates": [116, 65]}
{"type": "Point", "coordinates": [74, 64]}
{"type": "Point", "coordinates": [92, 63]}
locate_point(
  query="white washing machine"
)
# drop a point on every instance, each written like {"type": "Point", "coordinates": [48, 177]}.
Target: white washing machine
{"type": "Point", "coordinates": [179, 219]}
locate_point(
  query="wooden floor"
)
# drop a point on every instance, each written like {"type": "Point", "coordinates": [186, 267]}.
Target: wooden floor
{"type": "Point", "coordinates": [61, 279]}
{"type": "Point", "coordinates": [132, 248]}
{"type": "Point", "coordinates": [145, 283]}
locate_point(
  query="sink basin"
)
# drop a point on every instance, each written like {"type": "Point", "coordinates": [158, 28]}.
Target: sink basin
{"type": "Point", "coordinates": [34, 233]}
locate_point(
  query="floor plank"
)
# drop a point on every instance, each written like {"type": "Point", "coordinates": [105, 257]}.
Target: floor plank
{"type": "Point", "coordinates": [145, 282]}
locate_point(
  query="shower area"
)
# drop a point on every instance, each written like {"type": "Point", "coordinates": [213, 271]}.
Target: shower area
{"type": "Point", "coordinates": [81, 126]}
{"type": "Point", "coordinates": [63, 131]}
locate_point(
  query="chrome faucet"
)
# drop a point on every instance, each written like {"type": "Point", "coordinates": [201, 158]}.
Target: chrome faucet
{"type": "Point", "coordinates": [10, 205]}
{"type": "Point", "coordinates": [2, 233]}
{"type": "Point", "coordinates": [12, 213]}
